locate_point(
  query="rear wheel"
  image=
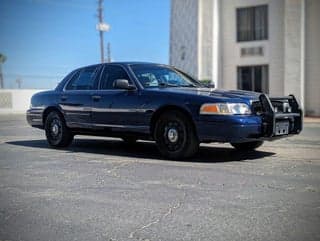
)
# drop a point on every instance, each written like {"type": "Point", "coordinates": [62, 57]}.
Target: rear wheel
{"type": "Point", "coordinates": [247, 146]}
{"type": "Point", "coordinates": [57, 133]}
{"type": "Point", "coordinates": [175, 136]}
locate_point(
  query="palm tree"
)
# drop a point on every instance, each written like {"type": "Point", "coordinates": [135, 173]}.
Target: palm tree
{"type": "Point", "coordinates": [3, 59]}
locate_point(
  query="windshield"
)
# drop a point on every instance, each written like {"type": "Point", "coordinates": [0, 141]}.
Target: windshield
{"type": "Point", "coordinates": [155, 76]}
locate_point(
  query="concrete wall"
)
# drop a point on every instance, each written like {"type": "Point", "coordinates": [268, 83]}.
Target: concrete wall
{"type": "Point", "coordinates": [312, 64]}
{"type": "Point", "coordinates": [15, 101]}
{"type": "Point", "coordinates": [184, 35]}
{"type": "Point", "coordinates": [272, 48]}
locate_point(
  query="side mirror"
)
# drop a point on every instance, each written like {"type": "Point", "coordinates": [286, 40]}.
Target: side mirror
{"type": "Point", "coordinates": [123, 84]}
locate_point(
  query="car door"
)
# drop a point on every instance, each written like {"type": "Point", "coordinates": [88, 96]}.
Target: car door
{"type": "Point", "coordinates": [117, 108]}
{"type": "Point", "coordinates": [76, 98]}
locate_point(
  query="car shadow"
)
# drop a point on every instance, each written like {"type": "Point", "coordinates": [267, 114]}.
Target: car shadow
{"type": "Point", "coordinates": [148, 150]}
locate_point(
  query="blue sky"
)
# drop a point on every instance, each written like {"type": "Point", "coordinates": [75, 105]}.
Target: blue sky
{"type": "Point", "coordinates": [45, 39]}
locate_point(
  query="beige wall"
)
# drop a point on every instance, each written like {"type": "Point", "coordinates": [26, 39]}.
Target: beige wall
{"type": "Point", "coordinates": [312, 64]}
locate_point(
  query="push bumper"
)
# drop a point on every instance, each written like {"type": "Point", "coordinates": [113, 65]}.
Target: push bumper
{"type": "Point", "coordinates": [268, 124]}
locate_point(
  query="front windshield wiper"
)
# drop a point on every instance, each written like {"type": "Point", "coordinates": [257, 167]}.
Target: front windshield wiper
{"type": "Point", "coordinates": [189, 85]}
{"type": "Point", "coordinates": [162, 84]}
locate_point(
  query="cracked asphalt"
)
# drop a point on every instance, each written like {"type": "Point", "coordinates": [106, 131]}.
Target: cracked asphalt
{"type": "Point", "coordinates": [103, 189]}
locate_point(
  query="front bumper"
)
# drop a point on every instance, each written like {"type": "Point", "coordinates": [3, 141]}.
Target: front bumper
{"type": "Point", "coordinates": [34, 117]}
{"type": "Point", "coordinates": [259, 126]}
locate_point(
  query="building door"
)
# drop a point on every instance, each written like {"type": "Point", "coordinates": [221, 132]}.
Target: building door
{"type": "Point", "coordinates": [253, 78]}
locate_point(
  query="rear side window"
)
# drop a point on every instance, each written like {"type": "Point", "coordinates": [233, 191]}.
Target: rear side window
{"type": "Point", "coordinates": [84, 79]}
{"type": "Point", "coordinates": [110, 74]}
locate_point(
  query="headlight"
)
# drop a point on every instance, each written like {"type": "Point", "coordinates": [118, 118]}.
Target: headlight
{"type": "Point", "coordinates": [225, 109]}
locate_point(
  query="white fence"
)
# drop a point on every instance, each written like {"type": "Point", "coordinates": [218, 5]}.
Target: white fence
{"type": "Point", "coordinates": [15, 100]}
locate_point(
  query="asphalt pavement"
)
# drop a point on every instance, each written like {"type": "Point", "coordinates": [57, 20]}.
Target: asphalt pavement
{"type": "Point", "coordinates": [103, 189]}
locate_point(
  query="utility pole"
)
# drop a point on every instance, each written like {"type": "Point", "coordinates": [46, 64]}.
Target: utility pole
{"type": "Point", "coordinates": [101, 27]}
{"type": "Point", "coordinates": [3, 59]}
{"type": "Point", "coordinates": [100, 18]}
{"type": "Point", "coordinates": [109, 52]}
{"type": "Point", "coordinates": [19, 82]}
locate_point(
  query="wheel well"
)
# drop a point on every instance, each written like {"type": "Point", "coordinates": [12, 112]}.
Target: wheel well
{"type": "Point", "coordinates": [164, 109]}
{"type": "Point", "coordinates": [47, 111]}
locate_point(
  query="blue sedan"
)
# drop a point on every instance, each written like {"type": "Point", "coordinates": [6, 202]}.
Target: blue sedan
{"type": "Point", "coordinates": [158, 102]}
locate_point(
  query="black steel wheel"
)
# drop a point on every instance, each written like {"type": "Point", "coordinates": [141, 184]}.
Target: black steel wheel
{"type": "Point", "coordinates": [247, 146]}
{"type": "Point", "coordinates": [57, 133]}
{"type": "Point", "coordinates": [175, 136]}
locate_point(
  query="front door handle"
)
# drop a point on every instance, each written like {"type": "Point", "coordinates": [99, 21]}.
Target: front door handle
{"type": "Point", "coordinates": [96, 97]}
{"type": "Point", "coordinates": [63, 98]}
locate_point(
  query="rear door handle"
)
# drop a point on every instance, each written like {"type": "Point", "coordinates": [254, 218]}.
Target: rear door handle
{"type": "Point", "coordinates": [96, 97]}
{"type": "Point", "coordinates": [63, 98]}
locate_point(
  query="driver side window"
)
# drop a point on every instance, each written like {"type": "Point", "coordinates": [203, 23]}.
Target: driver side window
{"type": "Point", "coordinates": [110, 74]}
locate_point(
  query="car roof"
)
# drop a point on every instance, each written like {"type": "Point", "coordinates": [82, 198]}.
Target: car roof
{"type": "Point", "coordinates": [127, 63]}
{"type": "Point", "coordinates": [132, 62]}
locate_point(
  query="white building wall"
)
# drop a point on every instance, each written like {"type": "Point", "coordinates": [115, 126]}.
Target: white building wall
{"type": "Point", "coordinates": [292, 50]}
{"type": "Point", "coordinates": [272, 48]}
{"type": "Point", "coordinates": [293, 54]}
{"type": "Point", "coordinates": [184, 36]}
{"type": "Point", "coordinates": [312, 65]}
{"type": "Point", "coordinates": [205, 39]}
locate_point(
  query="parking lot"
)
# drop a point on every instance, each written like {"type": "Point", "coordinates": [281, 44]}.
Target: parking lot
{"type": "Point", "coordinates": [103, 189]}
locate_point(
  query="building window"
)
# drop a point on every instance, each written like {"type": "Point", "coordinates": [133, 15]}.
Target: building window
{"type": "Point", "coordinates": [253, 78]}
{"type": "Point", "coordinates": [252, 23]}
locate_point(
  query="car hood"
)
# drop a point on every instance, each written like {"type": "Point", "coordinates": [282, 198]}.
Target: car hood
{"type": "Point", "coordinates": [215, 93]}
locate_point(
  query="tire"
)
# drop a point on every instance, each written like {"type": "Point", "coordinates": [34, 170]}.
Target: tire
{"type": "Point", "coordinates": [129, 140]}
{"type": "Point", "coordinates": [247, 146]}
{"type": "Point", "coordinates": [57, 133]}
{"type": "Point", "coordinates": [175, 136]}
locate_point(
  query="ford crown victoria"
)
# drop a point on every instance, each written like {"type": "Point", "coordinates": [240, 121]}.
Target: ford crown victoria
{"type": "Point", "coordinates": [158, 102]}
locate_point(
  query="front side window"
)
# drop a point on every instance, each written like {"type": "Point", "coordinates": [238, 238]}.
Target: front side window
{"type": "Point", "coordinates": [110, 74]}
{"type": "Point", "coordinates": [84, 79]}
{"type": "Point", "coordinates": [155, 76]}
{"type": "Point", "coordinates": [253, 78]}
{"type": "Point", "coordinates": [252, 23]}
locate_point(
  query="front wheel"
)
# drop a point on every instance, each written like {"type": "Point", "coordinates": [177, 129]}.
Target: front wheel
{"type": "Point", "coordinates": [57, 133]}
{"type": "Point", "coordinates": [175, 136]}
{"type": "Point", "coordinates": [247, 146]}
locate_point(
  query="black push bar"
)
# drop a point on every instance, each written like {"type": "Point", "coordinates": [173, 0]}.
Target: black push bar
{"type": "Point", "coordinates": [270, 116]}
